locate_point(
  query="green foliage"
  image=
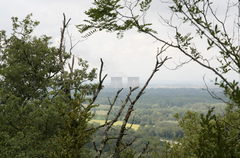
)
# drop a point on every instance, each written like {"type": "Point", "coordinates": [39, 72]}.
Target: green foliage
{"type": "Point", "coordinates": [27, 63]}
{"type": "Point", "coordinates": [44, 109]}
{"type": "Point", "coordinates": [217, 37]}
{"type": "Point", "coordinates": [208, 136]}
{"type": "Point", "coordinates": [109, 15]}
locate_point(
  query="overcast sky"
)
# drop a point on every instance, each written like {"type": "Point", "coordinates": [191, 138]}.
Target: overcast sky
{"type": "Point", "coordinates": [132, 55]}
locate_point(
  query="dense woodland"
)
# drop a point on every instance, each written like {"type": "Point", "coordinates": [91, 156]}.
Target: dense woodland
{"type": "Point", "coordinates": [53, 105]}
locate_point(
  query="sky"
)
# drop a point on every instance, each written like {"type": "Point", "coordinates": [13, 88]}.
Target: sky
{"type": "Point", "coordinates": [133, 55]}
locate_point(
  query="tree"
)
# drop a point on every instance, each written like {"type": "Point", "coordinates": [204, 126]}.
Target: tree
{"type": "Point", "coordinates": [210, 134]}
{"type": "Point", "coordinates": [207, 27]}
{"type": "Point", "coordinates": [44, 109]}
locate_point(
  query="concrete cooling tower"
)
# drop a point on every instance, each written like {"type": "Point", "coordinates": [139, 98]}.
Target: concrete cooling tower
{"type": "Point", "coordinates": [116, 82]}
{"type": "Point", "coordinates": [133, 82]}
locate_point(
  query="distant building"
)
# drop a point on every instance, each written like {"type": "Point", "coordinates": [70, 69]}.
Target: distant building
{"type": "Point", "coordinates": [133, 82]}
{"type": "Point", "coordinates": [116, 82]}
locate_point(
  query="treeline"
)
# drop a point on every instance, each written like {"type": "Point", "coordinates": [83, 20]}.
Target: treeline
{"type": "Point", "coordinates": [167, 97]}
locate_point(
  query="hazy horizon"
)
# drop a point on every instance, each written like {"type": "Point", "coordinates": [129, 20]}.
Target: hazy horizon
{"type": "Point", "coordinates": [133, 55]}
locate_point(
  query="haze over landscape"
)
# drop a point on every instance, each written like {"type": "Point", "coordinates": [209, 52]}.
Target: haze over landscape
{"type": "Point", "coordinates": [133, 55]}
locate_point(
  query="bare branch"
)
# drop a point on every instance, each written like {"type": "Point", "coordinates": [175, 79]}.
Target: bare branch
{"type": "Point", "coordinates": [144, 150]}
{"type": "Point", "coordinates": [100, 84]}
{"type": "Point", "coordinates": [63, 29]}
{"type": "Point", "coordinates": [212, 94]}
{"type": "Point", "coordinates": [112, 104]}
{"type": "Point", "coordinates": [158, 64]}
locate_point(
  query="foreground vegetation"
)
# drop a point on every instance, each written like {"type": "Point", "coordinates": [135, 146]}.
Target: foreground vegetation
{"type": "Point", "coordinates": [47, 102]}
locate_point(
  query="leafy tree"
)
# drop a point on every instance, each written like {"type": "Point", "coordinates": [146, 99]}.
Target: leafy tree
{"type": "Point", "coordinates": [46, 99]}
{"type": "Point", "coordinates": [44, 108]}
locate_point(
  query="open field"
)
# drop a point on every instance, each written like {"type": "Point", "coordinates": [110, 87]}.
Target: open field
{"type": "Point", "coordinates": [101, 112]}
{"type": "Point", "coordinates": [118, 123]}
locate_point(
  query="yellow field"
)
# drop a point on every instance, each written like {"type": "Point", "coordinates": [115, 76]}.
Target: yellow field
{"type": "Point", "coordinates": [118, 123]}
{"type": "Point", "coordinates": [101, 112]}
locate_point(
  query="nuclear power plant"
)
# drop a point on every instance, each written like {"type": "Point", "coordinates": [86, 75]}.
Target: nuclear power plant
{"type": "Point", "coordinates": [117, 82]}
{"type": "Point", "coordinates": [133, 82]}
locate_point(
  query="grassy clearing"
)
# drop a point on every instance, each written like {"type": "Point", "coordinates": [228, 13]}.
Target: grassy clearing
{"type": "Point", "coordinates": [118, 123]}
